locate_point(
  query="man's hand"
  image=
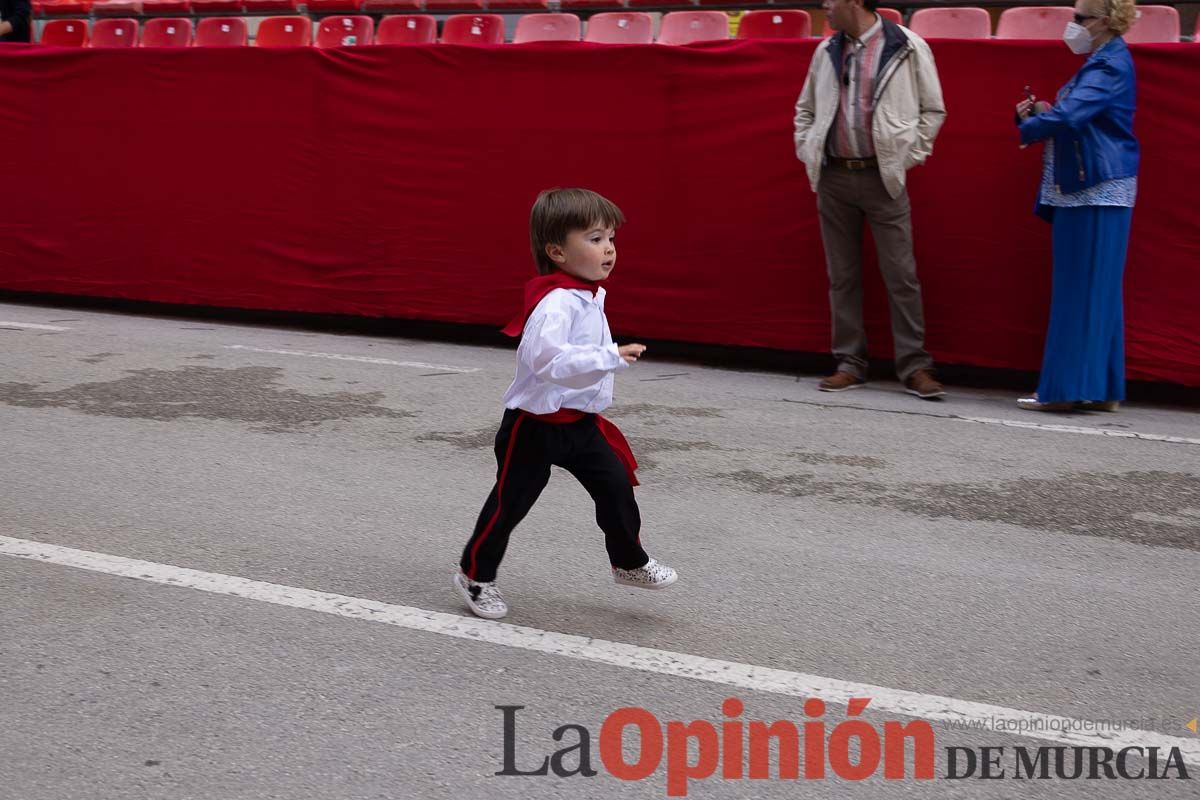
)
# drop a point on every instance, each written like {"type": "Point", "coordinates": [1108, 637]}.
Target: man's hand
{"type": "Point", "coordinates": [5, 28]}
{"type": "Point", "coordinates": [631, 352]}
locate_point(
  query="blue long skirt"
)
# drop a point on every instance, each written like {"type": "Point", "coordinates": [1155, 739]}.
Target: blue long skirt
{"type": "Point", "coordinates": [1085, 343]}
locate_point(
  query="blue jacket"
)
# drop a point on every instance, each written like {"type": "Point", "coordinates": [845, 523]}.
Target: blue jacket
{"type": "Point", "coordinates": [1092, 121]}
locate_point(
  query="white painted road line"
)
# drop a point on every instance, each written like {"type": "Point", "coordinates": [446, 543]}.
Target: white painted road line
{"type": "Point", "coordinates": [361, 359]}
{"type": "Point", "coordinates": [1007, 423]}
{"type": "Point", "coordinates": [33, 326]}
{"type": "Point", "coordinates": [1046, 727]}
{"type": "Point", "coordinates": [1120, 434]}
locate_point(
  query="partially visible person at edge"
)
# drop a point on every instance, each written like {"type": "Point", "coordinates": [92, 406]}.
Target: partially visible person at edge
{"type": "Point", "coordinates": [1088, 187]}
{"type": "Point", "coordinates": [869, 111]}
{"type": "Point", "coordinates": [14, 20]}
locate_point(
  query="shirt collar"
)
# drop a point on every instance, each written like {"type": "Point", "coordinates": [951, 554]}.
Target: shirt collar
{"type": "Point", "coordinates": [868, 33]}
{"type": "Point", "coordinates": [596, 299]}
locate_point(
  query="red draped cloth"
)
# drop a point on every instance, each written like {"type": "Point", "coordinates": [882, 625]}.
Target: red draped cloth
{"type": "Point", "coordinates": [397, 181]}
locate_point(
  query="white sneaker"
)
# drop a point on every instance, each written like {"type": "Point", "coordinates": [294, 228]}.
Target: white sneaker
{"type": "Point", "coordinates": [484, 599]}
{"type": "Point", "coordinates": [651, 575]}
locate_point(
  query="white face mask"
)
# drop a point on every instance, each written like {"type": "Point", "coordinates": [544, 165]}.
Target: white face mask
{"type": "Point", "coordinates": [1077, 38]}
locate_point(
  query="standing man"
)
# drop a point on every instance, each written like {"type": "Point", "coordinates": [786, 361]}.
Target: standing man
{"type": "Point", "coordinates": [14, 20]}
{"type": "Point", "coordinates": [870, 109]}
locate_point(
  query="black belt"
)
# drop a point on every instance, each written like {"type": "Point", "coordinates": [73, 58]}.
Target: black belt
{"type": "Point", "coordinates": [855, 164]}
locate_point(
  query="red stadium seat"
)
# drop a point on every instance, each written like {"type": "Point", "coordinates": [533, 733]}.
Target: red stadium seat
{"type": "Point", "coordinates": [952, 23]}
{"type": "Point", "coordinates": [218, 7]}
{"type": "Point", "coordinates": [222, 32]}
{"type": "Point", "coordinates": [284, 32]}
{"type": "Point", "coordinates": [167, 7]}
{"type": "Point", "coordinates": [781, 24]}
{"type": "Point", "coordinates": [658, 3]}
{"type": "Point", "coordinates": [1028, 22]}
{"type": "Point", "coordinates": [685, 27]}
{"type": "Point", "coordinates": [333, 6]}
{"type": "Point", "coordinates": [453, 5]}
{"type": "Point", "coordinates": [1154, 24]}
{"type": "Point", "coordinates": [620, 27]}
{"type": "Point", "coordinates": [889, 14]}
{"type": "Point", "coordinates": [348, 31]}
{"type": "Point", "coordinates": [66, 8]}
{"type": "Point", "coordinates": [407, 29]}
{"type": "Point", "coordinates": [547, 28]}
{"type": "Point", "coordinates": [167, 32]}
{"type": "Point", "coordinates": [473, 29]}
{"type": "Point", "coordinates": [726, 3]}
{"type": "Point", "coordinates": [117, 8]}
{"type": "Point", "coordinates": [114, 33]}
{"type": "Point", "coordinates": [267, 6]}
{"type": "Point", "coordinates": [65, 33]}
{"type": "Point", "coordinates": [582, 4]}
{"type": "Point", "coordinates": [516, 5]}
{"type": "Point", "coordinates": [389, 6]}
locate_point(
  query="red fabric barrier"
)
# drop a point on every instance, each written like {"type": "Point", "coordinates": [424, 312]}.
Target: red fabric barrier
{"type": "Point", "coordinates": [397, 182]}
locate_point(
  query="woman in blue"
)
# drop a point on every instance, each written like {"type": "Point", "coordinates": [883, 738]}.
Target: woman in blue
{"type": "Point", "coordinates": [1089, 183]}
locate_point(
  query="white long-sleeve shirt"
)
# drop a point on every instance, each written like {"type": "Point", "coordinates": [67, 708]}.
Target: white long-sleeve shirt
{"type": "Point", "coordinates": [567, 356]}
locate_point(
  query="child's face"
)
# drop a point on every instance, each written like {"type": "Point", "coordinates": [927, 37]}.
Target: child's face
{"type": "Point", "coordinates": [589, 254]}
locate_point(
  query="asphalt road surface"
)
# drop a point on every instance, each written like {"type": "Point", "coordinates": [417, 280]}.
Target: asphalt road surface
{"type": "Point", "coordinates": [226, 553]}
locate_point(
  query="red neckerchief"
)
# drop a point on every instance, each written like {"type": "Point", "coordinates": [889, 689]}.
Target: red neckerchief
{"type": "Point", "coordinates": [538, 288]}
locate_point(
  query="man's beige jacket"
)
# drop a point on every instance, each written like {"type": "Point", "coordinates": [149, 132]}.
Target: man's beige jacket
{"type": "Point", "coordinates": [908, 108]}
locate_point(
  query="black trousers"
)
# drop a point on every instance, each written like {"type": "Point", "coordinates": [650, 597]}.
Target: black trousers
{"type": "Point", "coordinates": [525, 451]}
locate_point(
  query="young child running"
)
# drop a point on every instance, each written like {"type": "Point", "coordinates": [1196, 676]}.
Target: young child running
{"type": "Point", "coordinates": [565, 366]}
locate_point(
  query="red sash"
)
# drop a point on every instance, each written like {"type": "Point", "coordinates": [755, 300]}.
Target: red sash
{"type": "Point", "coordinates": [611, 433]}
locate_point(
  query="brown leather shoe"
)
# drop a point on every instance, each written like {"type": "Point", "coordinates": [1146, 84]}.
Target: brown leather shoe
{"type": "Point", "coordinates": [922, 384]}
{"type": "Point", "coordinates": [839, 382]}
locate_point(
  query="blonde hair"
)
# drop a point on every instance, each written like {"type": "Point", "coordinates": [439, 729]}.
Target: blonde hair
{"type": "Point", "coordinates": [1121, 14]}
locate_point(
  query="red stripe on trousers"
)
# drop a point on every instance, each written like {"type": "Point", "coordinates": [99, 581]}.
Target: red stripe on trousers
{"type": "Point", "coordinates": [512, 439]}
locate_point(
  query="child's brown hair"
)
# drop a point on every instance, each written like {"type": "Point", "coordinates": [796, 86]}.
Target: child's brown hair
{"type": "Point", "coordinates": [557, 212]}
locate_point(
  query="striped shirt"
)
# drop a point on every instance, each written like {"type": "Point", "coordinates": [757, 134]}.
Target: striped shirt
{"type": "Point", "coordinates": [850, 136]}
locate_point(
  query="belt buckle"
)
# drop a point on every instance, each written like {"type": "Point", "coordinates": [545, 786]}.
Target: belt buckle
{"type": "Point", "coordinates": [855, 164]}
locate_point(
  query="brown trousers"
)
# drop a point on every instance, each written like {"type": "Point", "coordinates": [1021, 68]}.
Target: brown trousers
{"type": "Point", "coordinates": [846, 198]}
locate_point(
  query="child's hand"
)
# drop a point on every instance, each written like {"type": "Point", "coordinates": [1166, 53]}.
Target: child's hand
{"type": "Point", "coordinates": [631, 352]}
